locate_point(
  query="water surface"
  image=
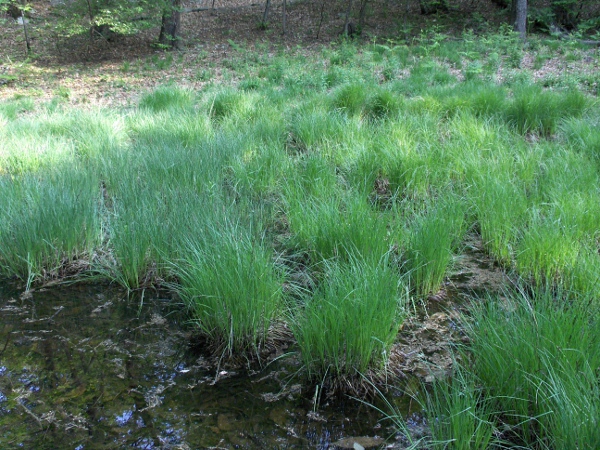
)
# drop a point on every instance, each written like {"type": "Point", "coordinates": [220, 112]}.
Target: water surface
{"type": "Point", "coordinates": [85, 367]}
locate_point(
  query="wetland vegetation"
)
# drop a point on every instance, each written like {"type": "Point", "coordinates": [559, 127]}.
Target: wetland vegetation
{"type": "Point", "coordinates": [314, 206]}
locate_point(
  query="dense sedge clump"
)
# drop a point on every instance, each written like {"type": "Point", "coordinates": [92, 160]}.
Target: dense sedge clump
{"type": "Point", "coordinates": [432, 240]}
{"type": "Point", "coordinates": [349, 324]}
{"type": "Point", "coordinates": [459, 412]}
{"type": "Point", "coordinates": [232, 289]}
{"type": "Point", "coordinates": [336, 226]}
{"type": "Point", "coordinates": [537, 357]}
{"type": "Point", "coordinates": [47, 222]}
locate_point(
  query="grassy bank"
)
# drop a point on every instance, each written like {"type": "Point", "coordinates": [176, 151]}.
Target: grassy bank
{"type": "Point", "coordinates": [329, 194]}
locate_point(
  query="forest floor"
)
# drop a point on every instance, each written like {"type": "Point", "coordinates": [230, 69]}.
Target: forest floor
{"type": "Point", "coordinates": [104, 73]}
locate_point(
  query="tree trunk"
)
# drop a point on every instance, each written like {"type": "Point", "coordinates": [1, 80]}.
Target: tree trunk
{"type": "Point", "coordinates": [92, 20]}
{"type": "Point", "coordinates": [284, 17]}
{"type": "Point", "coordinates": [321, 18]}
{"type": "Point", "coordinates": [20, 9]}
{"type": "Point", "coordinates": [266, 13]}
{"type": "Point", "coordinates": [362, 14]}
{"type": "Point", "coordinates": [25, 32]}
{"type": "Point", "coordinates": [520, 17]}
{"type": "Point", "coordinates": [169, 29]}
{"type": "Point", "coordinates": [347, 24]}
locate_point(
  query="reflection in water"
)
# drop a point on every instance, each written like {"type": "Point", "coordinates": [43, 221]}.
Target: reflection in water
{"type": "Point", "coordinates": [85, 368]}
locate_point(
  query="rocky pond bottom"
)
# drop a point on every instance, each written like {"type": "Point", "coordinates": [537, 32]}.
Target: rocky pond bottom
{"type": "Point", "coordinates": [83, 367]}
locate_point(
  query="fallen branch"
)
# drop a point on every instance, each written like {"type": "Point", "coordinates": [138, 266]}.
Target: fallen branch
{"type": "Point", "coordinates": [562, 34]}
{"type": "Point", "coordinates": [190, 10]}
{"type": "Point", "coordinates": [588, 42]}
{"type": "Point", "coordinates": [37, 419]}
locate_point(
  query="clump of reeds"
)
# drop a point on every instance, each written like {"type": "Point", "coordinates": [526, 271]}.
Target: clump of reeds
{"type": "Point", "coordinates": [500, 207]}
{"type": "Point", "coordinates": [349, 323]}
{"type": "Point", "coordinates": [334, 225]}
{"type": "Point", "coordinates": [535, 356]}
{"type": "Point", "coordinates": [233, 290]}
{"type": "Point", "coordinates": [229, 103]}
{"type": "Point", "coordinates": [167, 98]}
{"type": "Point", "coordinates": [534, 110]}
{"type": "Point", "coordinates": [433, 237]}
{"type": "Point", "coordinates": [460, 413]}
{"type": "Point", "coordinates": [47, 222]}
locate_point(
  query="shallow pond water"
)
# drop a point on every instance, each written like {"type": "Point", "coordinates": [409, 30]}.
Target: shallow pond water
{"type": "Point", "coordinates": [83, 367]}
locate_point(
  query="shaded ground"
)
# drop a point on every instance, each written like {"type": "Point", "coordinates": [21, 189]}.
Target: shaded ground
{"type": "Point", "coordinates": [114, 73]}
{"type": "Point", "coordinates": [101, 73]}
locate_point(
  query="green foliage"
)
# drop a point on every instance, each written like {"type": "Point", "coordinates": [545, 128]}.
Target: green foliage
{"type": "Point", "coordinates": [11, 109]}
{"type": "Point", "coordinates": [539, 389]}
{"type": "Point", "coordinates": [232, 103]}
{"type": "Point", "coordinates": [538, 111]}
{"type": "Point", "coordinates": [231, 286]}
{"type": "Point", "coordinates": [349, 324]}
{"type": "Point", "coordinates": [313, 128]}
{"type": "Point", "coordinates": [382, 104]}
{"type": "Point", "coordinates": [433, 237]}
{"type": "Point", "coordinates": [335, 225]}
{"type": "Point", "coordinates": [99, 16]}
{"type": "Point", "coordinates": [584, 137]}
{"type": "Point", "coordinates": [350, 98]}
{"type": "Point", "coordinates": [486, 100]}
{"type": "Point", "coordinates": [460, 413]}
{"type": "Point", "coordinates": [331, 164]}
{"type": "Point", "coordinates": [571, 15]}
{"type": "Point", "coordinates": [500, 207]}
{"type": "Point", "coordinates": [47, 222]}
{"type": "Point", "coordinates": [546, 249]}
{"type": "Point", "coordinates": [167, 97]}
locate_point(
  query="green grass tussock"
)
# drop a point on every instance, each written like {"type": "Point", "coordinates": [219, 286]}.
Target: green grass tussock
{"type": "Point", "coordinates": [432, 239]}
{"type": "Point", "coordinates": [167, 98]}
{"type": "Point", "coordinates": [536, 111]}
{"type": "Point", "coordinates": [536, 356]}
{"type": "Point", "coordinates": [500, 208]}
{"type": "Point", "coordinates": [232, 103]}
{"type": "Point", "coordinates": [350, 98]}
{"type": "Point", "coordinates": [10, 110]}
{"type": "Point", "coordinates": [460, 413]}
{"type": "Point", "coordinates": [349, 324]}
{"type": "Point", "coordinates": [232, 288]}
{"type": "Point", "coordinates": [47, 223]}
{"type": "Point", "coordinates": [335, 226]}
{"type": "Point", "coordinates": [362, 169]}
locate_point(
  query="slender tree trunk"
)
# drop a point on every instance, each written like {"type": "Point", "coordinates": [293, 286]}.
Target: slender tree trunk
{"type": "Point", "coordinates": [347, 24]}
{"type": "Point", "coordinates": [284, 16]}
{"type": "Point", "coordinates": [520, 17]}
{"type": "Point", "coordinates": [91, 17]}
{"type": "Point", "coordinates": [362, 13]}
{"type": "Point", "coordinates": [321, 18]}
{"type": "Point", "coordinates": [27, 43]}
{"type": "Point", "coordinates": [266, 12]}
{"type": "Point", "coordinates": [169, 29]}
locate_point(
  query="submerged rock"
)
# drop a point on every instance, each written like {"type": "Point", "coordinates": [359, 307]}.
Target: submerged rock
{"type": "Point", "coordinates": [359, 442]}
